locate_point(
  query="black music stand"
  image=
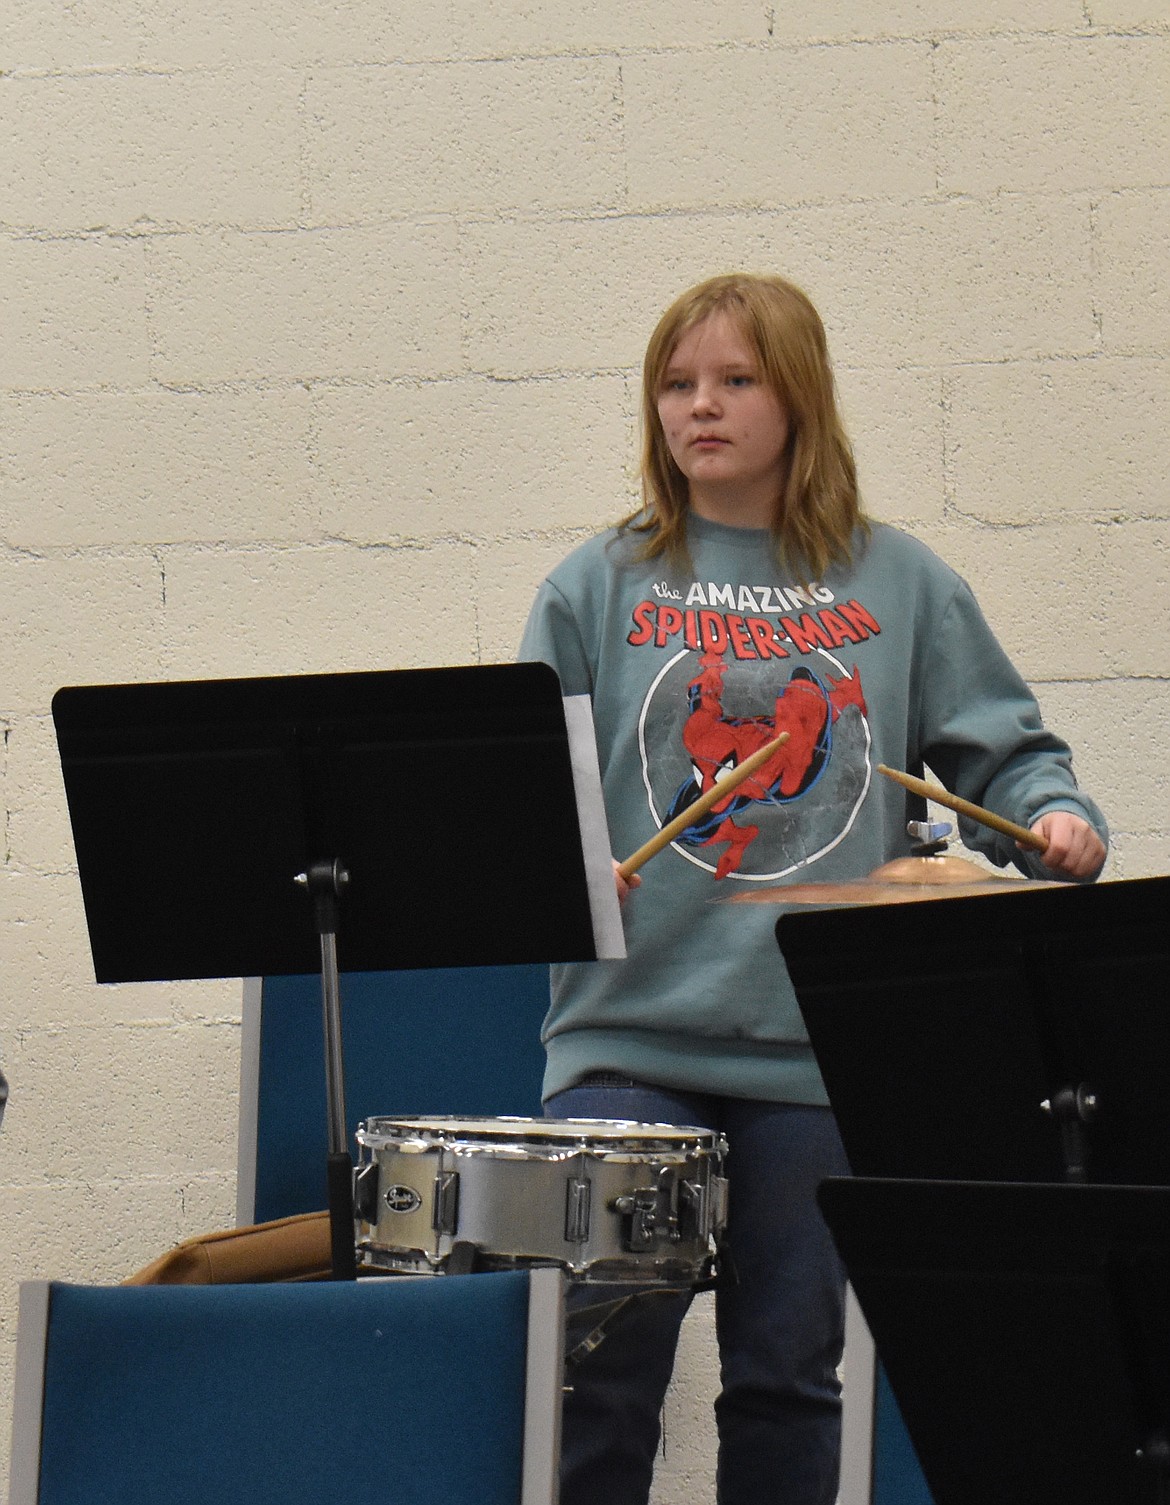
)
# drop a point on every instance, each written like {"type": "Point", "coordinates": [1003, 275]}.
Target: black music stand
{"type": "Point", "coordinates": [1025, 1331]}
{"type": "Point", "coordinates": [1002, 1039]}
{"type": "Point", "coordinates": [432, 810]}
{"type": "Point", "coordinates": [943, 1027]}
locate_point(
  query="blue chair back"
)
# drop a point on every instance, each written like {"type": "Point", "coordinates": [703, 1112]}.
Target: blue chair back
{"type": "Point", "coordinates": [356, 1393]}
{"type": "Point", "coordinates": [462, 1040]}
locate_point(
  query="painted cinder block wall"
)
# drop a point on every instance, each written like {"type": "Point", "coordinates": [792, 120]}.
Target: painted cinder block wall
{"type": "Point", "coordinates": [319, 335]}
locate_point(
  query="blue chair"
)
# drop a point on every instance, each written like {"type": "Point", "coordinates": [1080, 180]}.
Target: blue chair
{"type": "Point", "coordinates": [431, 1391]}
{"type": "Point", "coordinates": [878, 1463]}
{"type": "Point", "coordinates": [463, 1040]}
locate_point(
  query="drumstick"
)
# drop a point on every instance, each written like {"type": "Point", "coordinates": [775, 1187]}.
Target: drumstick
{"type": "Point", "coordinates": [943, 796]}
{"type": "Point", "coordinates": [700, 807]}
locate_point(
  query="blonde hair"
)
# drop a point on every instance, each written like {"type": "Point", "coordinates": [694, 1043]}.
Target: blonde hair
{"type": "Point", "coordinates": [818, 508]}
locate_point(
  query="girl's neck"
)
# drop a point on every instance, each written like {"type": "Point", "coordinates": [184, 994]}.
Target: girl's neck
{"type": "Point", "coordinates": [736, 508]}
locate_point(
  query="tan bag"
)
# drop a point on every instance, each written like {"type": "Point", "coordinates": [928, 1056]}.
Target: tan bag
{"type": "Point", "coordinates": [296, 1248]}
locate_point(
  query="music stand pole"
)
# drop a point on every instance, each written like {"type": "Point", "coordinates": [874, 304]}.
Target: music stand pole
{"type": "Point", "coordinates": [325, 882]}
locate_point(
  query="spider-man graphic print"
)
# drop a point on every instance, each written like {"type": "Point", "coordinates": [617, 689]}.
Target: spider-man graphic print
{"type": "Point", "coordinates": [705, 714]}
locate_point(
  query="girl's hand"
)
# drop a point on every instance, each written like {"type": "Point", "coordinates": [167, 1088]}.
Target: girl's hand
{"type": "Point", "coordinates": [624, 885]}
{"type": "Point", "coordinates": [1074, 848]}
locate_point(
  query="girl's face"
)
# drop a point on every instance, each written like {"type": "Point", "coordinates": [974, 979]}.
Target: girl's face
{"type": "Point", "coordinates": [725, 428]}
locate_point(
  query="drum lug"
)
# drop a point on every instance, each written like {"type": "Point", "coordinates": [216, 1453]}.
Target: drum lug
{"type": "Point", "coordinates": [365, 1192]}
{"type": "Point", "coordinates": [578, 1190]}
{"type": "Point", "coordinates": [718, 1201]}
{"type": "Point", "coordinates": [693, 1216]}
{"type": "Point", "coordinates": [446, 1213]}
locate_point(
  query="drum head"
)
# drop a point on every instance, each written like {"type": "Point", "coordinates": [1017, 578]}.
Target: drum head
{"type": "Point", "coordinates": [562, 1133]}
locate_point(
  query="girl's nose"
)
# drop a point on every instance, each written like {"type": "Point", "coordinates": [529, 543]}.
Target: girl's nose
{"type": "Point", "coordinates": [706, 398]}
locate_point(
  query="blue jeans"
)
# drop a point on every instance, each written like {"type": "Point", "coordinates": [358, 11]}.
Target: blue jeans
{"type": "Point", "coordinates": [779, 1317]}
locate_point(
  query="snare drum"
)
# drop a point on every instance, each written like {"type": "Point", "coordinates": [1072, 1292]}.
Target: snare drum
{"type": "Point", "coordinates": [607, 1200]}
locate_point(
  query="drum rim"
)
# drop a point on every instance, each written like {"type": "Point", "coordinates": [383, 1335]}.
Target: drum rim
{"type": "Point", "coordinates": [665, 1272]}
{"type": "Point", "coordinates": [608, 1131]}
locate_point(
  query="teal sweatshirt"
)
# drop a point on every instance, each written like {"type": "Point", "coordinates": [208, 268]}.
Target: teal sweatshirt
{"type": "Point", "coordinates": [690, 670]}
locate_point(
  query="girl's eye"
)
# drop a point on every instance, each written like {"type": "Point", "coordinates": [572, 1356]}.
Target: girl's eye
{"type": "Point", "coordinates": [740, 381]}
{"type": "Point", "coordinates": [677, 384]}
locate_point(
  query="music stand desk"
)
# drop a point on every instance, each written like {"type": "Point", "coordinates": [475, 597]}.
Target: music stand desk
{"type": "Point", "coordinates": [942, 1027]}
{"type": "Point", "coordinates": [431, 814]}
{"type": "Point", "coordinates": [1025, 1330]}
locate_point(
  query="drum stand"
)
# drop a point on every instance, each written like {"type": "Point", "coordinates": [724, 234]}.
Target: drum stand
{"type": "Point", "coordinates": [325, 882]}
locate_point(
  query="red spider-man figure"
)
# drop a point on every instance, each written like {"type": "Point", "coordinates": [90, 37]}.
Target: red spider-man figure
{"type": "Point", "coordinates": [806, 709]}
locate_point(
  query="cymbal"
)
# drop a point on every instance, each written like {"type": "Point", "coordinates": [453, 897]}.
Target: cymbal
{"type": "Point", "coordinates": [941, 869]}
{"type": "Point", "coordinates": [906, 880]}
